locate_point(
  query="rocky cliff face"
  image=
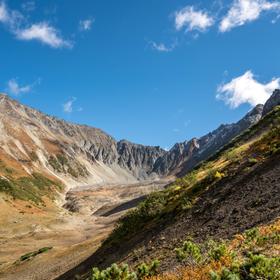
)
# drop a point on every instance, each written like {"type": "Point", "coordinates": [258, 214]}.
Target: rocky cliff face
{"type": "Point", "coordinates": [138, 159]}
{"type": "Point", "coordinates": [34, 142]}
{"type": "Point", "coordinates": [273, 101]}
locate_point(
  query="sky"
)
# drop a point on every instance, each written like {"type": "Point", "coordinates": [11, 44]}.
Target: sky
{"type": "Point", "coordinates": [154, 72]}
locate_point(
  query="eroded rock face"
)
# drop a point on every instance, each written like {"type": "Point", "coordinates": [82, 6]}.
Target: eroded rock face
{"type": "Point", "coordinates": [273, 101]}
{"type": "Point", "coordinates": [33, 131]}
{"type": "Point", "coordinates": [174, 158]}
{"type": "Point", "coordinates": [138, 159]}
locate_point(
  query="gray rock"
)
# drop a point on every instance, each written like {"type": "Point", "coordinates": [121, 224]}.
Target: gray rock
{"type": "Point", "coordinates": [273, 101]}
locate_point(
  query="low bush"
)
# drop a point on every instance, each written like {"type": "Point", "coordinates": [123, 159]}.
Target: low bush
{"type": "Point", "coordinates": [31, 255]}
{"type": "Point", "coordinates": [254, 267]}
{"type": "Point", "coordinates": [216, 250]}
{"type": "Point", "coordinates": [189, 250]}
{"type": "Point", "coordinates": [122, 272]}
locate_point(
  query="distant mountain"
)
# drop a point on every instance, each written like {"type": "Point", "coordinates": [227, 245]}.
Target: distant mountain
{"type": "Point", "coordinates": [78, 154]}
{"type": "Point", "coordinates": [184, 156]}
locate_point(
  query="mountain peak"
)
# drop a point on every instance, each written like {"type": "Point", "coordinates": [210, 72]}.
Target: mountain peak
{"type": "Point", "coordinates": [273, 101]}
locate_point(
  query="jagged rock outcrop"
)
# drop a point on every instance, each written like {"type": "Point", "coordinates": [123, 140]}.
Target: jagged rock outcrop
{"type": "Point", "coordinates": [139, 159]}
{"type": "Point", "coordinates": [184, 156]}
{"type": "Point", "coordinates": [273, 101]}
{"type": "Point", "coordinates": [174, 158]}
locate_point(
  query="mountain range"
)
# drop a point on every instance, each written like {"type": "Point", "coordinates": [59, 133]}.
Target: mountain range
{"type": "Point", "coordinates": [78, 154]}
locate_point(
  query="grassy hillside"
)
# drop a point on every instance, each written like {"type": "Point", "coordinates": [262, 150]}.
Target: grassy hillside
{"type": "Point", "coordinates": [16, 184]}
{"type": "Point", "coordinates": [235, 190]}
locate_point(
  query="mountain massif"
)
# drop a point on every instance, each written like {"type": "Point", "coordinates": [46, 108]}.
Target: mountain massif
{"type": "Point", "coordinates": [78, 154]}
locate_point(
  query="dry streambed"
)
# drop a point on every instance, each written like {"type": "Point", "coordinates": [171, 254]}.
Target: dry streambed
{"type": "Point", "coordinates": [59, 238]}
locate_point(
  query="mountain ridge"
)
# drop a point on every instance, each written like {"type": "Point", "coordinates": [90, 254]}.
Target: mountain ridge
{"type": "Point", "coordinates": [59, 145]}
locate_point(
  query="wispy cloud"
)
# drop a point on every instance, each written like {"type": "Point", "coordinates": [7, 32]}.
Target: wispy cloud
{"type": "Point", "coordinates": [28, 6]}
{"type": "Point", "coordinates": [246, 89]}
{"type": "Point", "coordinates": [243, 11]}
{"type": "Point", "coordinates": [44, 33]}
{"type": "Point", "coordinates": [192, 19]}
{"type": "Point", "coordinates": [3, 13]}
{"type": "Point", "coordinates": [161, 47]}
{"type": "Point", "coordinates": [187, 123]}
{"type": "Point", "coordinates": [85, 25]}
{"type": "Point", "coordinates": [11, 19]}
{"type": "Point", "coordinates": [19, 26]}
{"type": "Point", "coordinates": [13, 87]}
{"type": "Point", "coordinates": [68, 107]}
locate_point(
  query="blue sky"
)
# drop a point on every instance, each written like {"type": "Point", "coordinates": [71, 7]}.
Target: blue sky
{"type": "Point", "coordinates": [153, 71]}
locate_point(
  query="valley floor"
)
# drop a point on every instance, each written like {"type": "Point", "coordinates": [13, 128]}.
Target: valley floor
{"type": "Point", "coordinates": [73, 232]}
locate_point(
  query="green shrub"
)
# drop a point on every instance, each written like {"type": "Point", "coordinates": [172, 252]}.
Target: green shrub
{"type": "Point", "coordinates": [251, 234]}
{"type": "Point", "coordinates": [254, 267]}
{"type": "Point", "coordinates": [189, 250]}
{"type": "Point", "coordinates": [225, 274]}
{"type": "Point", "coordinates": [273, 238]}
{"type": "Point", "coordinates": [145, 270]}
{"type": "Point", "coordinates": [261, 267]}
{"type": "Point", "coordinates": [216, 250]}
{"type": "Point", "coordinates": [30, 255]}
{"type": "Point", "coordinates": [115, 272]}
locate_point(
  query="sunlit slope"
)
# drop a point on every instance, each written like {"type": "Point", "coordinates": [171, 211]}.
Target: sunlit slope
{"type": "Point", "coordinates": [235, 190]}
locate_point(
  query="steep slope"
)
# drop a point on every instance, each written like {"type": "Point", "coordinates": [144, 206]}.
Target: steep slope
{"type": "Point", "coordinates": [236, 189]}
{"type": "Point", "coordinates": [184, 156]}
{"type": "Point", "coordinates": [273, 101]}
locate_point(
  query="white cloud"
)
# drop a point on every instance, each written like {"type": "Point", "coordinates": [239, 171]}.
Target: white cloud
{"type": "Point", "coordinates": [11, 19]}
{"type": "Point", "coordinates": [243, 11]}
{"type": "Point", "coordinates": [68, 106]}
{"type": "Point", "coordinates": [246, 89]}
{"type": "Point", "coordinates": [193, 19]}
{"type": "Point", "coordinates": [85, 25]}
{"type": "Point", "coordinates": [161, 47]}
{"type": "Point", "coordinates": [13, 87]}
{"type": "Point", "coordinates": [4, 17]}
{"type": "Point", "coordinates": [44, 33]}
